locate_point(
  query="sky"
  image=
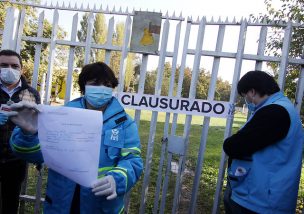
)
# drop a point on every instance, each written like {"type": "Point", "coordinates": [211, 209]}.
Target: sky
{"type": "Point", "coordinates": [195, 9]}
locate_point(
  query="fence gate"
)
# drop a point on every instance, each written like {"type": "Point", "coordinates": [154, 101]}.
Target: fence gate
{"type": "Point", "coordinates": [188, 51]}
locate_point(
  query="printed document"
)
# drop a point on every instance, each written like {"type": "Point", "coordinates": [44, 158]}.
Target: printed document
{"type": "Point", "coordinates": [70, 141]}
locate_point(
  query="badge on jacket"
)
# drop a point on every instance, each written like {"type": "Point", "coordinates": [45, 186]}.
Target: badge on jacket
{"type": "Point", "coordinates": [115, 134]}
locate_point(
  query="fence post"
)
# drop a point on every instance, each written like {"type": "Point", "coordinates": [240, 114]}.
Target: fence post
{"type": "Point", "coordinates": [9, 40]}
{"type": "Point", "coordinates": [300, 86]}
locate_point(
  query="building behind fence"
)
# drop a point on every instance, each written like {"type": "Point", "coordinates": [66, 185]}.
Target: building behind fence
{"type": "Point", "coordinates": [173, 146]}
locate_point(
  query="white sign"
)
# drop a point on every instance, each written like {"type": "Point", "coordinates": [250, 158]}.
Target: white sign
{"type": "Point", "coordinates": [70, 141]}
{"type": "Point", "coordinates": [176, 105]}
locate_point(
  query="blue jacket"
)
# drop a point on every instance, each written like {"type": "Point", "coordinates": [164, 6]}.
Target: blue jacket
{"type": "Point", "coordinates": [119, 157]}
{"type": "Point", "coordinates": [268, 181]}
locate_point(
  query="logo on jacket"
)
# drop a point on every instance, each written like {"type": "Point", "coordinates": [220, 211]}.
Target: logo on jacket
{"type": "Point", "coordinates": [114, 135]}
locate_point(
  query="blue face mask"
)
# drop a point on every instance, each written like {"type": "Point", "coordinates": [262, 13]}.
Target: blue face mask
{"type": "Point", "coordinates": [97, 96]}
{"type": "Point", "coordinates": [251, 107]}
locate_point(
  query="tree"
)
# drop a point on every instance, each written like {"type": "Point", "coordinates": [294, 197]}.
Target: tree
{"type": "Point", "coordinates": [99, 35]}
{"type": "Point", "coordinates": [81, 35]}
{"type": "Point", "coordinates": [186, 82]}
{"type": "Point", "coordinates": [130, 78]}
{"type": "Point", "coordinates": [150, 82]}
{"type": "Point", "coordinates": [223, 90]}
{"type": "Point", "coordinates": [289, 10]}
{"type": "Point", "coordinates": [202, 84]}
{"type": "Point", "coordinates": [117, 41]}
{"type": "Point", "coordinates": [28, 48]}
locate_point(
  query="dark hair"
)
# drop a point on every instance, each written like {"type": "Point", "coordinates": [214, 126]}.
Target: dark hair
{"type": "Point", "coordinates": [98, 72]}
{"type": "Point", "coordinates": [11, 53]}
{"type": "Point", "coordinates": [262, 82]}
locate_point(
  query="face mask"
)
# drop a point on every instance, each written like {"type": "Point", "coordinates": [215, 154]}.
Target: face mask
{"type": "Point", "coordinates": [97, 96]}
{"type": "Point", "coordinates": [10, 75]}
{"type": "Point", "coordinates": [251, 107]}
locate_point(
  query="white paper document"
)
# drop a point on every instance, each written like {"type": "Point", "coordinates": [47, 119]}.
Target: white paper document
{"type": "Point", "coordinates": [70, 141]}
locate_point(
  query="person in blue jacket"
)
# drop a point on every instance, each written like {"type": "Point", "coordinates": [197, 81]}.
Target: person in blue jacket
{"type": "Point", "coordinates": [120, 164]}
{"type": "Point", "coordinates": [265, 155]}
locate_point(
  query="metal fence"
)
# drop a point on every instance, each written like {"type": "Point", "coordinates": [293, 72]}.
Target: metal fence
{"type": "Point", "coordinates": [192, 32]}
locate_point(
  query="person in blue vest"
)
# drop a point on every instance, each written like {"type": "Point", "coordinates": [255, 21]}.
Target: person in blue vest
{"type": "Point", "coordinates": [265, 155]}
{"type": "Point", "coordinates": [120, 164]}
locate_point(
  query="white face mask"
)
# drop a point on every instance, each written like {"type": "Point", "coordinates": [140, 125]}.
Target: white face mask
{"type": "Point", "coordinates": [9, 75]}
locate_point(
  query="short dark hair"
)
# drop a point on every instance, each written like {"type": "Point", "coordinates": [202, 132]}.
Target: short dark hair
{"type": "Point", "coordinates": [8, 52]}
{"type": "Point", "coordinates": [262, 82]}
{"type": "Point", "coordinates": [98, 72]}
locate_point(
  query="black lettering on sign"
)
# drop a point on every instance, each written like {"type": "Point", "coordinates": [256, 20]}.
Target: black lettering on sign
{"type": "Point", "coordinates": [133, 101]}
{"type": "Point", "coordinates": [184, 104]}
{"type": "Point", "coordinates": [163, 103]}
{"type": "Point", "coordinates": [123, 99]}
{"type": "Point", "coordinates": [195, 106]}
{"type": "Point", "coordinates": [206, 107]}
{"type": "Point", "coordinates": [219, 108]}
{"type": "Point", "coordinates": [143, 101]}
{"type": "Point", "coordinates": [171, 103]}
{"type": "Point", "coordinates": [155, 104]}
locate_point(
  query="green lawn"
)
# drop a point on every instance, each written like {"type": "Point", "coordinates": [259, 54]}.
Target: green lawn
{"type": "Point", "coordinates": [210, 167]}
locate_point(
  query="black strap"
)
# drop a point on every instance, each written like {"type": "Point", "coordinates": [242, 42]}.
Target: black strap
{"type": "Point", "coordinates": [120, 120]}
{"type": "Point", "coordinates": [75, 206]}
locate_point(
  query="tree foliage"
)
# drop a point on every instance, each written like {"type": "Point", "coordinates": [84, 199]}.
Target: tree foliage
{"type": "Point", "coordinates": [28, 48]}
{"type": "Point", "coordinates": [287, 10]}
{"type": "Point", "coordinates": [222, 92]}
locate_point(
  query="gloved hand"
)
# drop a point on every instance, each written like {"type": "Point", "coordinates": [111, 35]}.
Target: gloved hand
{"type": "Point", "coordinates": [4, 115]}
{"type": "Point", "coordinates": [27, 117]}
{"type": "Point", "coordinates": [3, 118]}
{"type": "Point", "coordinates": [105, 186]}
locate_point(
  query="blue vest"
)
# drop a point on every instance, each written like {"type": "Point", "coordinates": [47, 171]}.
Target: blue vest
{"type": "Point", "coordinates": [268, 181]}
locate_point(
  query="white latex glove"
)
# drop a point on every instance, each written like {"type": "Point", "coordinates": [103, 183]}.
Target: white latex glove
{"type": "Point", "coordinates": [105, 186]}
{"type": "Point", "coordinates": [4, 115]}
{"type": "Point", "coordinates": [27, 117]}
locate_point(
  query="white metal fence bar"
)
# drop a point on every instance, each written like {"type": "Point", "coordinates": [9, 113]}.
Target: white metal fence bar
{"type": "Point", "coordinates": [154, 117]}
{"type": "Point", "coordinates": [167, 120]}
{"type": "Point", "coordinates": [69, 78]}
{"type": "Point", "coordinates": [38, 47]}
{"type": "Point", "coordinates": [123, 64]}
{"type": "Point", "coordinates": [124, 54]}
{"type": "Point", "coordinates": [181, 72]}
{"type": "Point", "coordinates": [261, 47]}
{"type": "Point", "coordinates": [300, 86]}
{"type": "Point", "coordinates": [300, 90]}
{"type": "Point", "coordinates": [10, 32]}
{"type": "Point", "coordinates": [192, 93]}
{"type": "Point", "coordinates": [49, 76]}
{"type": "Point", "coordinates": [109, 40]}
{"type": "Point", "coordinates": [141, 83]}
{"type": "Point", "coordinates": [20, 31]}
{"type": "Point", "coordinates": [160, 175]}
{"type": "Point", "coordinates": [229, 122]}
{"type": "Point", "coordinates": [165, 183]}
{"type": "Point", "coordinates": [284, 59]}
{"type": "Point", "coordinates": [204, 134]}
{"type": "Point", "coordinates": [88, 42]}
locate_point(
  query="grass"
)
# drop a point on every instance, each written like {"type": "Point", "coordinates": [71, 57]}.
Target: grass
{"type": "Point", "coordinates": [210, 165]}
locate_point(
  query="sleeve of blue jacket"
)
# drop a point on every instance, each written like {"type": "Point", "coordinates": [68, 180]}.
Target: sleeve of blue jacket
{"type": "Point", "coordinates": [130, 165]}
{"type": "Point", "coordinates": [26, 147]}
